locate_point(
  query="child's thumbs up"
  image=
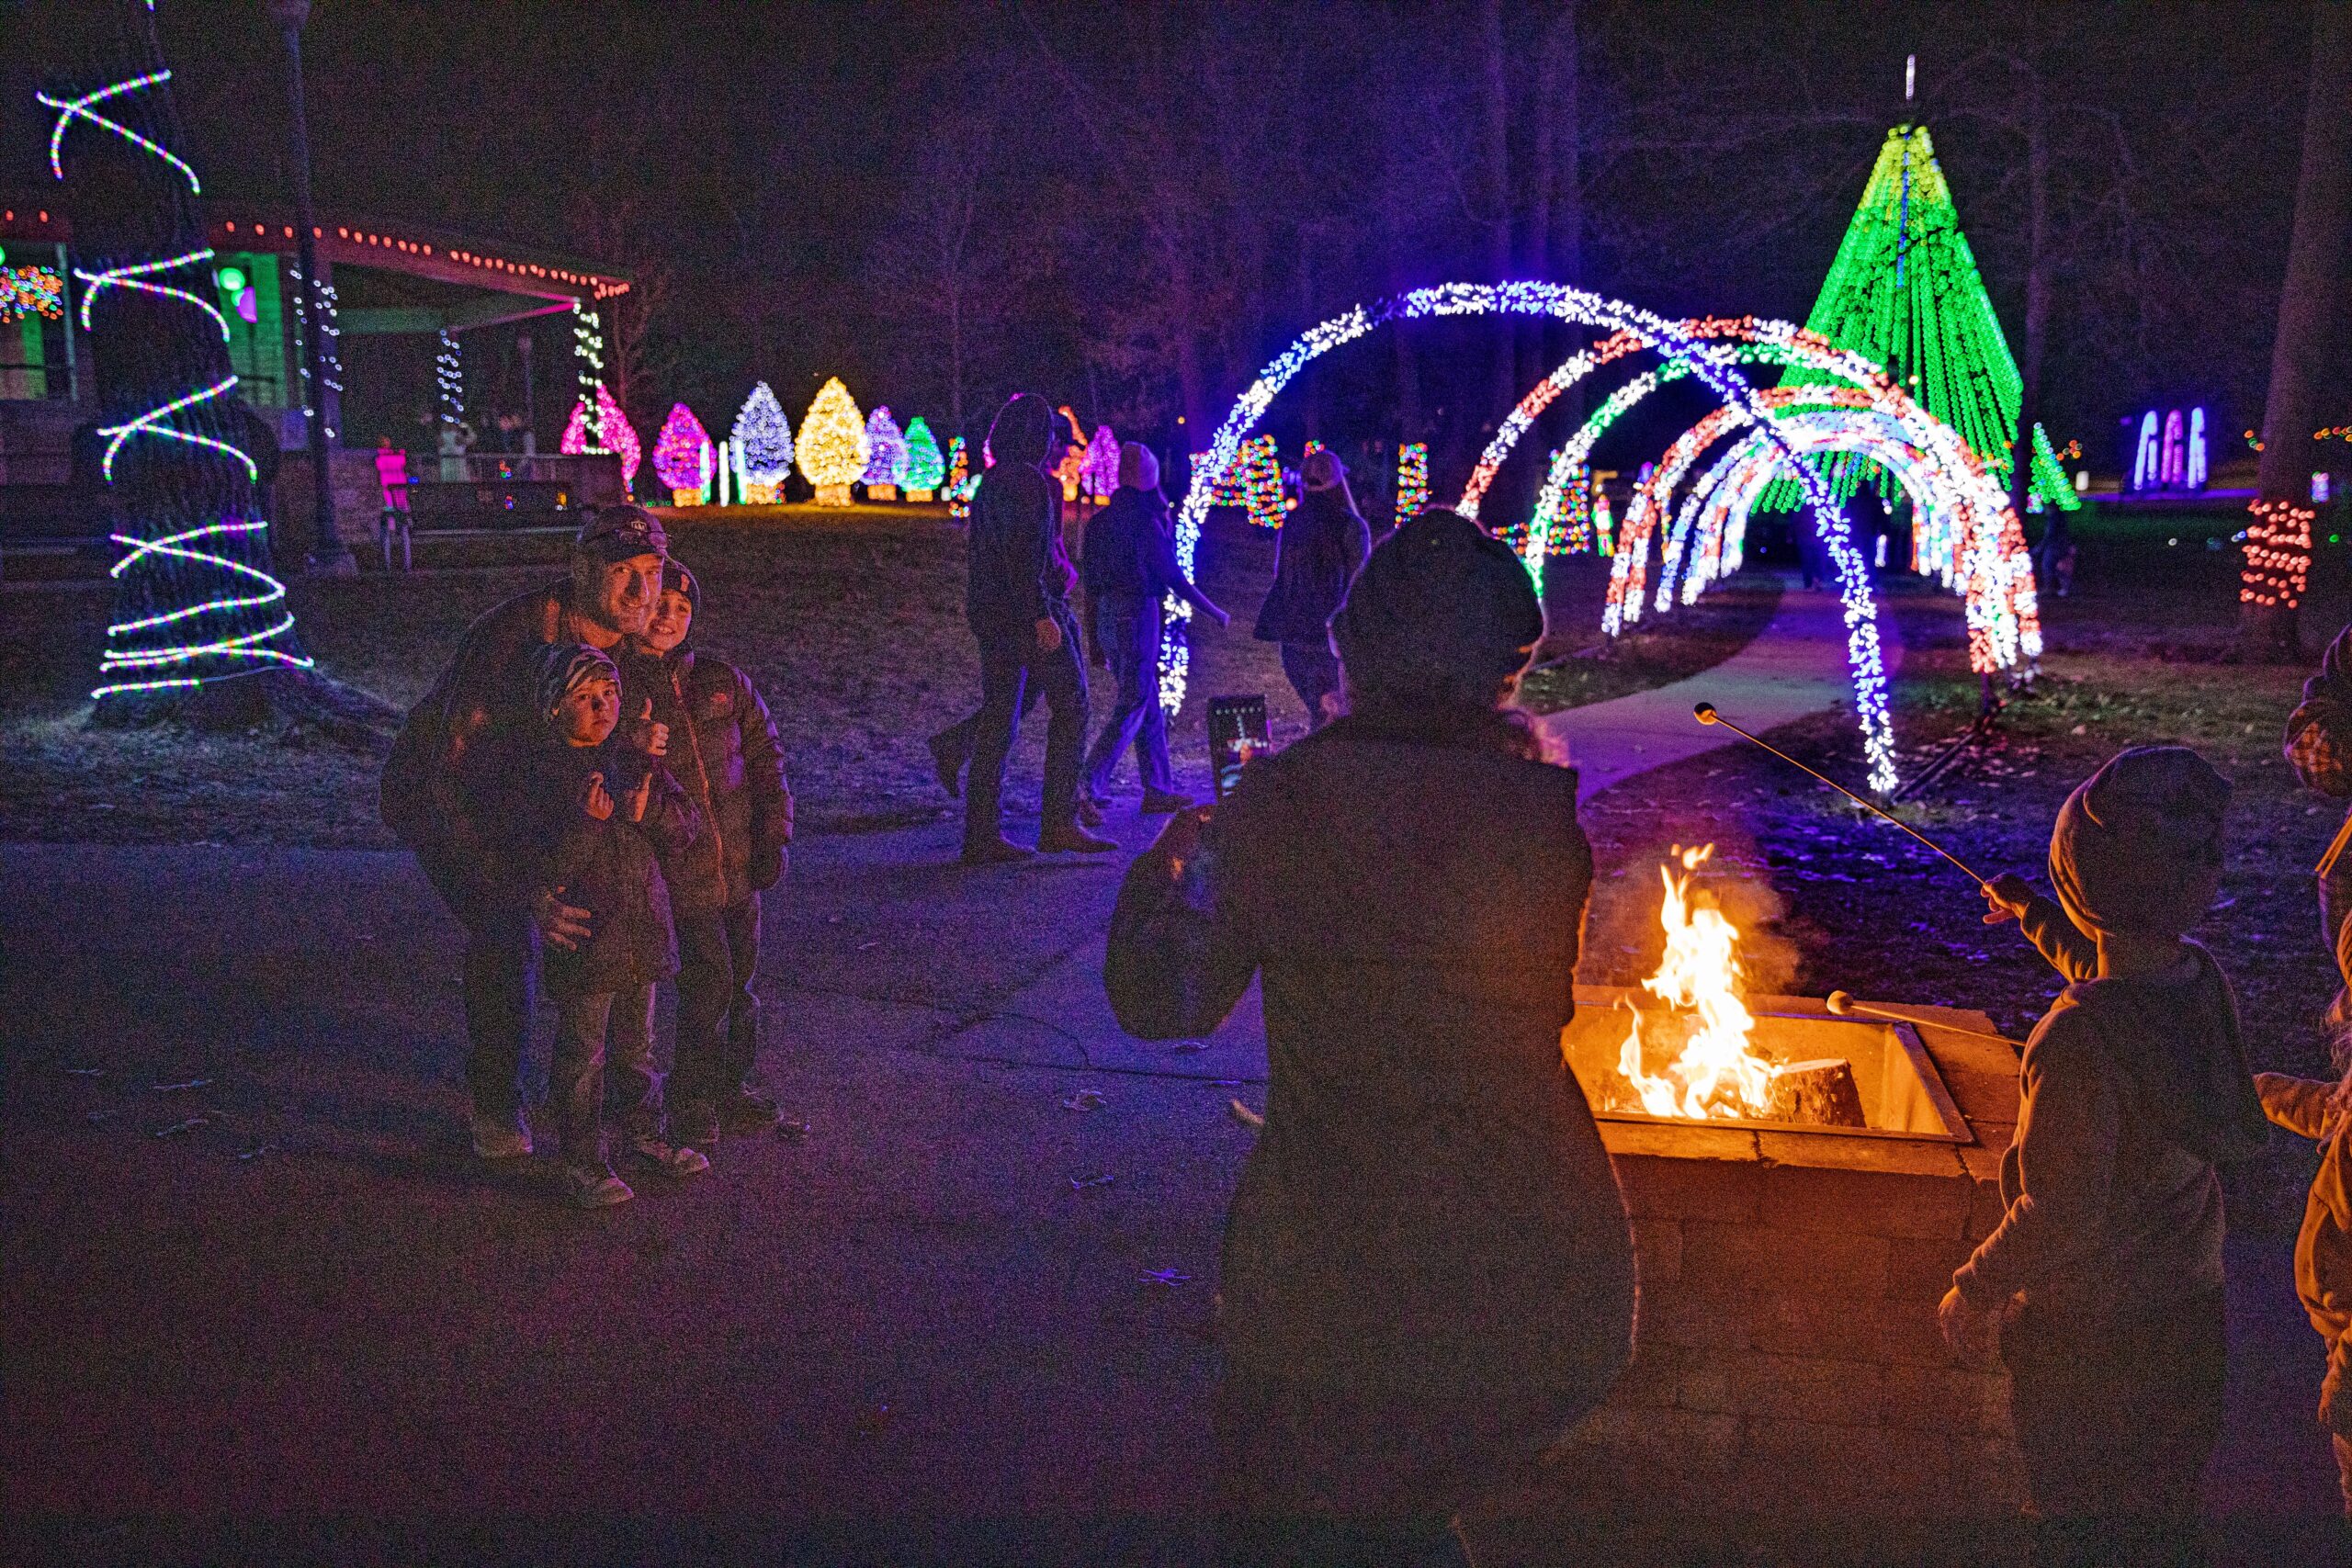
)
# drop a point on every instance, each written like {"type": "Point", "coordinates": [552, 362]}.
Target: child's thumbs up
{"type": "Point", "coordinates": [649, 709]}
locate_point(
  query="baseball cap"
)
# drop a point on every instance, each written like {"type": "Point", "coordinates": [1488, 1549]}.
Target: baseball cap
{"type": "Point", "coordinates": [617, 532]}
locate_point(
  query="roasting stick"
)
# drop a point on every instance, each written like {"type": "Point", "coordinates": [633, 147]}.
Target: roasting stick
{"type": "Point", "coordinates": [1842, 1003]}
{"type": "Point", "coordinates": [1705, 712]}
{"type": "Point", "coordinates": [2343, 837]}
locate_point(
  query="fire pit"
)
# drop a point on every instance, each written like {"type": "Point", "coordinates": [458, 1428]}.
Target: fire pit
{"type": "Point", "coordinates": [1802, 1187]}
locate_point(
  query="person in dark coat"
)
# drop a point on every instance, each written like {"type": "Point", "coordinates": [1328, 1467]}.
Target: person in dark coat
{"type": "Point", "coordinates": [1018, 604]}
{"type": "Point", "coordinates": [2104, 1276]}
{"type": "Point", "coordinates": [2319, 746]}
{"type": "Point", "coordinates": [1130, 568]}
{"type": "Point", "coordinates": [1427, 1274]}
{"type": "Point", "coordinates": [718, 739]}
{"type": "Point", "coordinates": [1321, 546]}
{"type": "Point", "coordinates": [486, 692]}
{"type": "Point", "coordinates": [577, 813]}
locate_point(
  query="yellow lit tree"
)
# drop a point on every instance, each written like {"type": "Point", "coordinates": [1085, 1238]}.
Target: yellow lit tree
{"type": "Point", "coordinates": [832, 448]}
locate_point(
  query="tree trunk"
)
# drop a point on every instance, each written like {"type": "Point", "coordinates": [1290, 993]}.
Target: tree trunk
{"type": "Point", "coordinates": [2279, 542]}
{"type": "Point", "coordinates": [2037, 310]}
{"type": "Point", "coordinates": [1495, 104]}
{"type": "Point", "coordinates": [148, 349]}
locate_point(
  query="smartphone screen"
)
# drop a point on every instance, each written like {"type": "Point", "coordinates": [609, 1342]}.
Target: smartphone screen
{"type": "Point", "coordinates": [1238, 731]}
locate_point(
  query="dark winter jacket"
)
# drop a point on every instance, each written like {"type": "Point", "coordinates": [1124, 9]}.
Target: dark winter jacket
{"type": "Point", "coordinates": [485, 695]}
{"type": "Point", "coordinates": [525, 795]}
{"type": "Point", "coordinates": [1018, 570]}
{"type": "Point", "coordinates": [1130, 565]}
{"type": "Point", "coordinates": [1319, 552]}
{"type": "Point", "coordinates": [724, 753]}
{"type": "Point", "coordinates": [1429, 1205]}
{"type": "Point", "coordinates": [2131, 1090]}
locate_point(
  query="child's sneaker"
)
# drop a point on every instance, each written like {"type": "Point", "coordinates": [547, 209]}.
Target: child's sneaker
{"type": "Point", "coordinates": [746, 1111]}
{"type": "Point", "coordinates": [501, 1139]}
{"type": "Point", "coordinates": [595, 1187]}
{"type": "Point", "coordinates": [669, 1158]}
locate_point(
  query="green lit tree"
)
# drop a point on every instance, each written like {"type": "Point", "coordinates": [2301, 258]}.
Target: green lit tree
{"type": "Point", "coordinates": [1904, 291]}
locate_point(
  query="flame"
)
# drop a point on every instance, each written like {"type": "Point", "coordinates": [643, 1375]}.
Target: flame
{"type": "Point", "coordinates": [1717, 1073]}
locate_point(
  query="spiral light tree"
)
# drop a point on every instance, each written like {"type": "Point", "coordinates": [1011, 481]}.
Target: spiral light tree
{"type": "Point", "coordinates": [195, 601]}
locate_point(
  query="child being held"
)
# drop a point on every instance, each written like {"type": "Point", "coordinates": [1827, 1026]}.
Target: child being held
{"type": "Point", "coordinates": [576, 812]}
{"type": "Point", "coordinates": [2323, 1112]}
{"type": "Point", "coordinates": [722, 746]}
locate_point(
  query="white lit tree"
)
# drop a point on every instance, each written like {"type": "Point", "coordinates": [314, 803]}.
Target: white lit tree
{"type": "Point", "coordinates": [763, 436]}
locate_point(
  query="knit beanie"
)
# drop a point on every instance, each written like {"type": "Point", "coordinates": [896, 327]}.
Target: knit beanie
{"type": "Point", "coordinates": [1443, 611]}
{"type": "Point", "coordinates": [558, 669]}
{"type": "Point", "coordinates": [1139, 467]}
{"type": "Point", "coordinates": [2137, 849]}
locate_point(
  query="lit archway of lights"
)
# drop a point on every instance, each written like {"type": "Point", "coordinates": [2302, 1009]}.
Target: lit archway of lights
{"type": "Point", "coordinates": [1984, 555]}
{"type": "Point", "coordinates": [1650, 332]}
{"type": "Point", "coordinates": [1968, 536]}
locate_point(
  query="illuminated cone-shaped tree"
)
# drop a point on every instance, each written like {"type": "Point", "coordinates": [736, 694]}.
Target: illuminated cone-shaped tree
{"type": "Point", "coordinates": [832, 446]}
{"type": "Point", "coordinates": [961, 481]}
{"type": "Point", "coordinates": [762, 439]}
{"type": "Point", "coordinates": [680, 458]}
{"type": "Point", "coordinates": [575, 430]}
{"type": "Point", "coordinates": [1099, 472]}
{"type": "Point", "coordinates": [886, 454]}
{"type": "Point", "coordinates": [1904, 291]}
{"type": "Point", "coordinates": [925, 468]}
{"type": "Point", "coordinates": [619, 436]}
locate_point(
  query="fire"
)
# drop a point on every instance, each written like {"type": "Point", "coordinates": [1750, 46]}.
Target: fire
{"type": "Point", "coordinates": [1717, 1072]}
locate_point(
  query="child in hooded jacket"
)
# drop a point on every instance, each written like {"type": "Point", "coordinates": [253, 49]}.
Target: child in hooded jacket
{"type": "Point", "coordinates": [719, 741]}
{"type": "Point", "coordinates": [2103, 1279]}
{"type": "Point", "coordinates": [2323, 1112]}
{"type": "Point", "coordinates": [575, 810]}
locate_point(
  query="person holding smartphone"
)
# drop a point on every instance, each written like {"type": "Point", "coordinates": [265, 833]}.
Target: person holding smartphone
{"type": "Point", "coordinates": [1427, 1274]}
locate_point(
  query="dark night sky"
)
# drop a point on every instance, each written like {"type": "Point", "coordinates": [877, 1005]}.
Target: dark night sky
{"type": "Point", "coordinates": [772, 168]}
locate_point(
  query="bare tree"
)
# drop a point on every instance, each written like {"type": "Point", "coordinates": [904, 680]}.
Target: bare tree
{"type": "Point", "coordinates": [947, 260]}
{"type": "Point", "coordinates": [2308, 304]}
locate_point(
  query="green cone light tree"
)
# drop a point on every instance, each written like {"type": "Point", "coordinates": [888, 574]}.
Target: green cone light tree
{"type": "Point", "coordinates": [1904, 291]}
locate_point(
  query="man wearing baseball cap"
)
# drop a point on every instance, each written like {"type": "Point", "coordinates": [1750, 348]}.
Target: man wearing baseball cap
{"type": "Point", "coordinates": [615, 581]}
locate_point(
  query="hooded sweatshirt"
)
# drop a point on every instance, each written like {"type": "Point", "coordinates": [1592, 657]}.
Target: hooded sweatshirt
{"type": "Point", "coordinates": [1018, 572]}
{"type": "Point", "coordinates": [725, 754]}
{"type": "Point", "coordinates": [2132, 1088]}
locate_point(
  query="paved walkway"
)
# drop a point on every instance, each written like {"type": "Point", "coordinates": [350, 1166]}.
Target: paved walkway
{"type": "Point", "coordinates": [1795, 668]}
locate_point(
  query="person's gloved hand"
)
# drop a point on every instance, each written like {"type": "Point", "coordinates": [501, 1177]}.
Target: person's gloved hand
{"type": "Point", "coordinates": [2009, 896]}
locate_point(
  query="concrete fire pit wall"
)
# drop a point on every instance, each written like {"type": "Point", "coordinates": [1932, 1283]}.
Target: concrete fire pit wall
{"type": "Point", "coordinates": [1787, 1363]}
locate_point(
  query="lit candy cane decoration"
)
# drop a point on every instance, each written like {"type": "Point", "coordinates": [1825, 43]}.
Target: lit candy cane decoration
{"type": "Point", "coordinates": [216, 634]}
{"type": "Point", "coordinates": [1656, 333]}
